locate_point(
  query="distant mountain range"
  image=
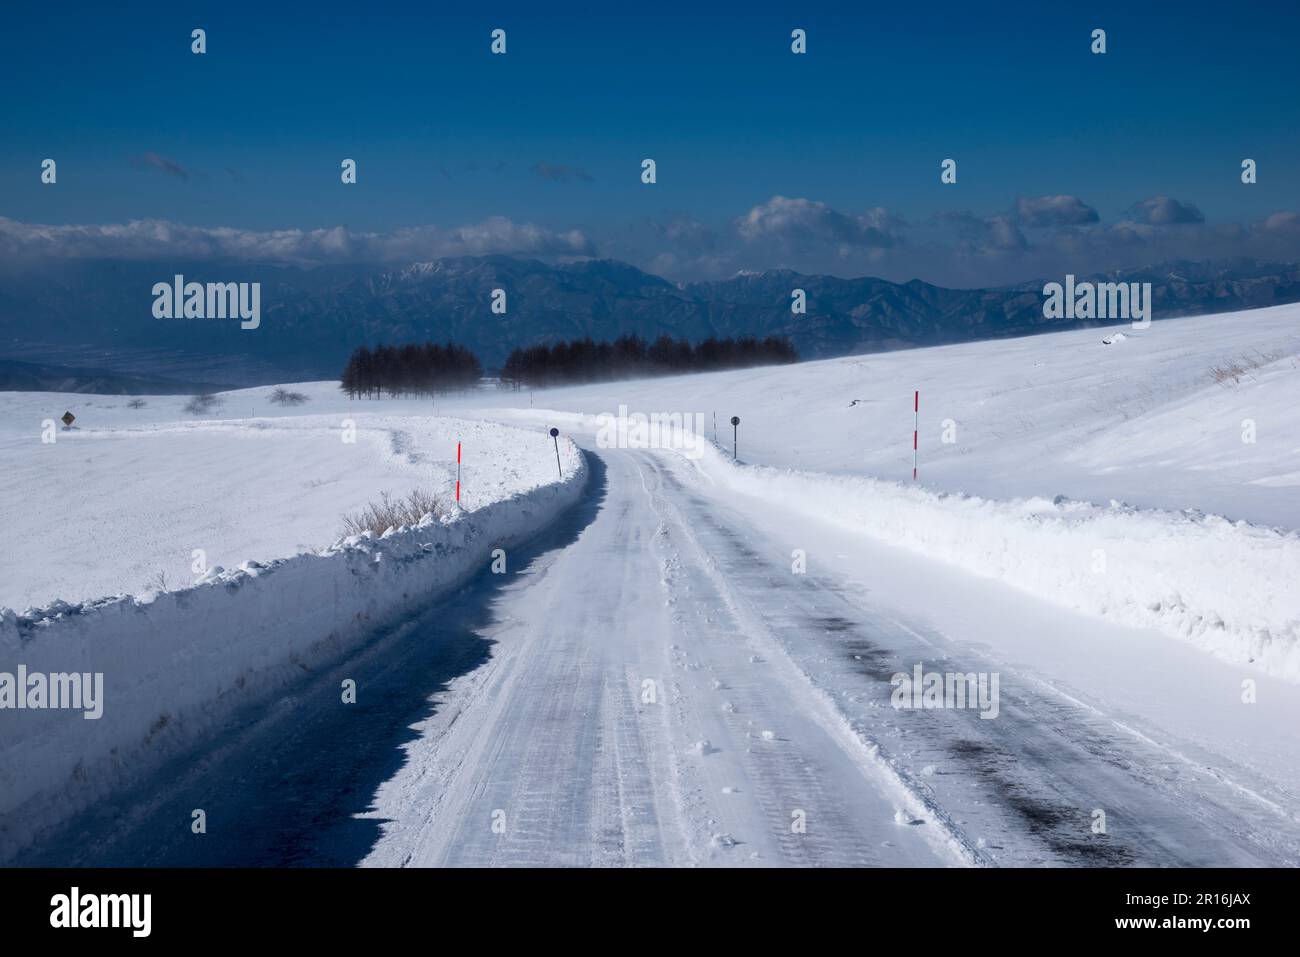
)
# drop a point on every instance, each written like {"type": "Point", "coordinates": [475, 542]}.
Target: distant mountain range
{"type": "Point", "coordinates": [41, 377]}
{"type": "Point", "coordinates": [99, 313]}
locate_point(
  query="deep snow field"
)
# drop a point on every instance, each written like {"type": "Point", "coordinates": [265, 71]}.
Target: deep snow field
{"type": "Point", "coordinates": [280, 591]}
{"type": "Point", "coordinates": [1156, 420]}
{"type": "Point", "coordinates": [1142, 421]}
{"type": "Point", "coordinates": [1104, 523]}
{"type": "Point", "coordinates": [120, 502]}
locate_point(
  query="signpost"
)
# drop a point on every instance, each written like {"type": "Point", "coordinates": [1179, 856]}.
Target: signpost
{"type": "Point", "coordinates": [68, 419]}
{"type": "Point", "coordinates": [555, 438]}
{"type": "Point", "coordinates": [735, 435]}
{"type": "Point", "coordinates": [916, 422]}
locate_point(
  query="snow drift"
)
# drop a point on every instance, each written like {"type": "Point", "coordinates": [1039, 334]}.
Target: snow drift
{"type": "Point", "coordinates": [1229, 587]}
{"type": "Point", "coordinates": [175, 664]}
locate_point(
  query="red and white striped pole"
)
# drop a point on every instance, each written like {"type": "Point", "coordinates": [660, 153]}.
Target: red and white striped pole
{"type": "Point", "coordinates": [916, 423]}
{"type": "Point", "coordinates": [457, 473]}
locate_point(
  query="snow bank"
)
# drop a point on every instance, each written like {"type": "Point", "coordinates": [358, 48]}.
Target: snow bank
{"type": "Point", "coordinates": [1230, 588]}
{"type": "Point", "coordinates": [110, 508]}
{"type": "Point", "coordinates": [177, 663]}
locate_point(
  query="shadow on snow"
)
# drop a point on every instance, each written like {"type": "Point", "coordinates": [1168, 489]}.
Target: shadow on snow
{"type": "Point", "coordinates": [286, 783]}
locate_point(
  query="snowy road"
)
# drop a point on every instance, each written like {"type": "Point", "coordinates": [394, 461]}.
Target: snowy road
{"type": "Point", "coordinates": [718, 765]}
{"type": "Point", "coordinates": [651, 684]}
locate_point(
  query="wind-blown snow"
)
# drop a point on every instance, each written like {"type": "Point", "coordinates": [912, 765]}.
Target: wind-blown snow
{"type": "Point", "coordinates": [1152, 421]}
{"type": "Point", "coordinates": [1104, 475]}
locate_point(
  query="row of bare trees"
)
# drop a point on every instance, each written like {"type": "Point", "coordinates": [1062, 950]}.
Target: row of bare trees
{"type": "Point", "coordinates": [585, 360]}
{"type": "Point", "coordinates": [408, 370]}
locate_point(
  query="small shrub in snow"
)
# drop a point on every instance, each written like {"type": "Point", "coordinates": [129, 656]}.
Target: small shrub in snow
{"type": "Point", "coordinates": [1235, 370]}
{"type": "Point", "coordinates": [282, 396]}
{"type": "Point", "coordinates": [202, 404]}
{"type": "Point", "coordinates": [136, 404]}
{"type": "Point", "coordinates": [388, 512]}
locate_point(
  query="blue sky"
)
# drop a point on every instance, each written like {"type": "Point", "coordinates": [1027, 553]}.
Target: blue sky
{"type": "Point", "coordinates": [547, 140]}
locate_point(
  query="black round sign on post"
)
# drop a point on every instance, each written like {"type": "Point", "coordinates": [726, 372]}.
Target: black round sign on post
{"type": "Point", "coordinates": [735, 420]}
{"type": "Point", "coordinates": [735, 431]}
{"type": "Point", "coordinates": [555, 438]}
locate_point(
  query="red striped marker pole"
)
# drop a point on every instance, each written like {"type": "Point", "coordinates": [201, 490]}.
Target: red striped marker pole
{"type": "Point", "coordinates": [916, 423]}
{"type": "Point", "coordinates": [457, 473]}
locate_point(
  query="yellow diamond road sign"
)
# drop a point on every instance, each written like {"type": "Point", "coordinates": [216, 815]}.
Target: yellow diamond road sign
{"type": "Point", "coordinates": [68, 419]}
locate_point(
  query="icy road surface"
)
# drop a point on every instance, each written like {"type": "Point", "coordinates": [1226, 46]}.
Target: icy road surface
{"type": "Point", "coordinates": [650, 684]}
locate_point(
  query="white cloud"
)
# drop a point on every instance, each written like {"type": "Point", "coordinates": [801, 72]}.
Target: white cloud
{"type": "Point", "coordinates": [1164, 211]}
{"type": "Point", "coordinates": [1060, 210]}
{"type": "Point", "coordinates": [792, 220]}
{"type": "Point", "coordinates": [155, 238]}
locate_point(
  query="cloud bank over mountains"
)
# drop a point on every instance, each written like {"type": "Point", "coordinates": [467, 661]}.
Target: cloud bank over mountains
{"type": "Point", "coordinates": [160, 239]}
{"type": "Point", "coordinates": [1037, 236]}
